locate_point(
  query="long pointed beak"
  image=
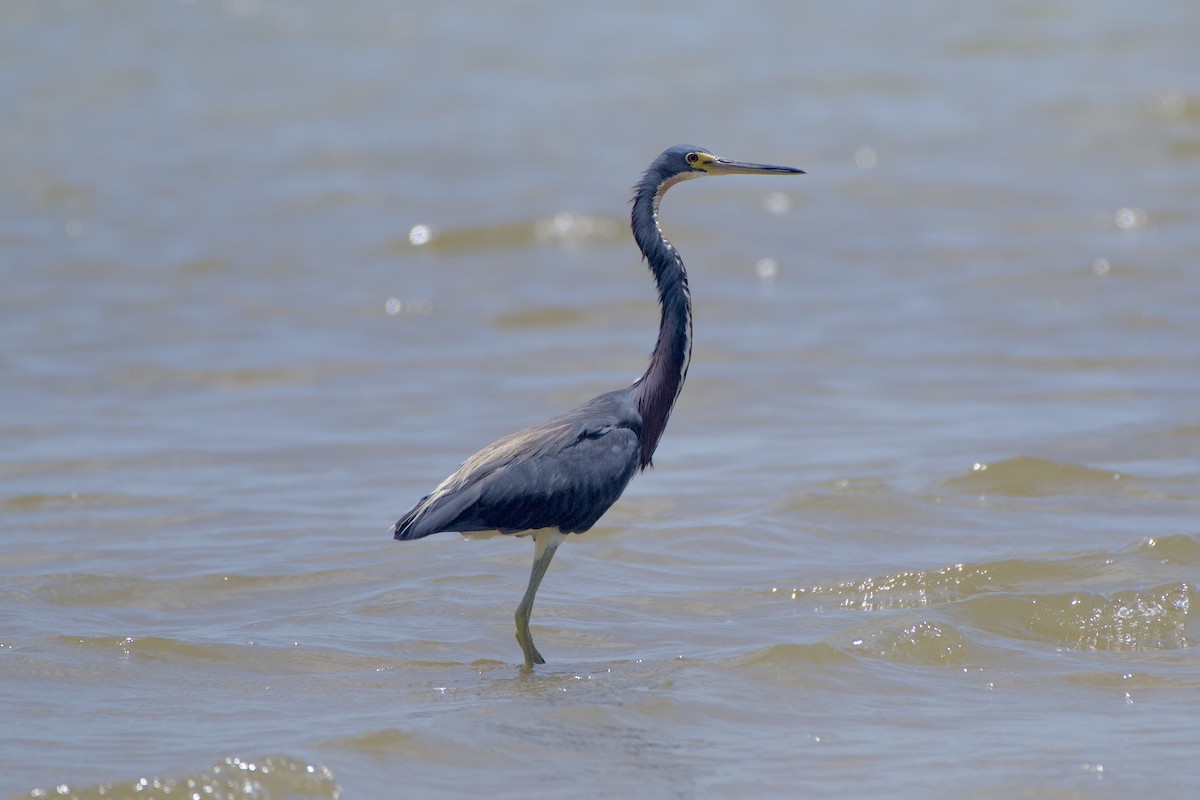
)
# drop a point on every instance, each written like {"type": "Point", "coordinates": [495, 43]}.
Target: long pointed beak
{"type": "Point", "coordinates": [726, 166]}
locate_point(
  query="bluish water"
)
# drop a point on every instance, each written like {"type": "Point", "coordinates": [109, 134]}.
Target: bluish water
{"type": "Point", "coordinates": [924, 521]}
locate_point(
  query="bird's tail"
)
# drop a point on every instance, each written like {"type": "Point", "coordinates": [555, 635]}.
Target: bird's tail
{"type": "Point", "coordinates": [443, 509]}
{"type": "Point", "coordinates": [406, 528]}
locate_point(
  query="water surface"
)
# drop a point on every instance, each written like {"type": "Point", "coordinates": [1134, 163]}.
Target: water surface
{"type": "Point", "coordinates": [923, 524]}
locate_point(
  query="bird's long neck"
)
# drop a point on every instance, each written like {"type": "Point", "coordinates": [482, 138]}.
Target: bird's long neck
{"type": "Point", "coordinates": [656, 391]}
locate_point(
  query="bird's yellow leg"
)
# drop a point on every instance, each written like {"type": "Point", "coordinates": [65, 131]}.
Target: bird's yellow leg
{"type": "Point", "coordinates": [545, 541]}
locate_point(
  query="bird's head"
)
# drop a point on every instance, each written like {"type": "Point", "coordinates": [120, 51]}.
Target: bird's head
{"type": "Point", "coordinates": [684, 161]}
{"type": "Point", "coordinates": [679, 163]}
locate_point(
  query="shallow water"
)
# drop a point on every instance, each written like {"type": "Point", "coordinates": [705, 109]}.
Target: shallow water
{"type": "Point", "coordinates": [924, 521]}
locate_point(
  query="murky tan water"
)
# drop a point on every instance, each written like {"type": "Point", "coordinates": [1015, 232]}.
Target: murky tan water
{"type": "Point", "coordinates": [924, 523]}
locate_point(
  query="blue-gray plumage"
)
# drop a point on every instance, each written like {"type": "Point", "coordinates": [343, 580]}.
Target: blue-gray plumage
{"type": "Point", "coordinates": [560, 477]}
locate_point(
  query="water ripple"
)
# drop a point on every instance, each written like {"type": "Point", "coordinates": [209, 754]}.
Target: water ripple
{"type": "Point", "coordinates": [234, 778]}
{"type": "Point", "coordinates": [1121, 622]}
{"type": "Point", "coordinates": [1035, 477]}
{"type": "Point", "coordinates": [1040, 600]}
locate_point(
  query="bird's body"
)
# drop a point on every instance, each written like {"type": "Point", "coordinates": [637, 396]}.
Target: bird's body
{"type": "Point", "coordinates": [563, 473]}
{"type": "Point", "coordinates": [560, 476]}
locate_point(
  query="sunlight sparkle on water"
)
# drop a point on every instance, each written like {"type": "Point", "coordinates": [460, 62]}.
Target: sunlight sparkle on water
{"type": "Point", "coordinates": [766, 269]}
{"type": "Point", "coordinates": [569, 228]}
{"type": "Point", "coordinates": [1172, 104]}
{"type": "Point", "coordinates": [420, 234]}
{"type": "Point", "coordinates": [394, 307]}
{"type": "Point", "coordinates": [777, 203]}
{"type": "Point", "coordinates": [866, 157]}
{"type": "Point", "coordinates": [1130, 218]}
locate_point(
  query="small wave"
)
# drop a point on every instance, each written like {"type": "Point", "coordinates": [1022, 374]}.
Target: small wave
{"type": "Point", "coordinates": [1036, 477]}
{"type": "Point", "coordinates": [938, 585]}
{"type": "Point", "coordinates": [234, 378]}
{"type": "Point", "coordinates": [234, 778]}
{"type": "Point", "coordinates": [920, 641]}
{"type": "Point", "coordinates": [1176, 550]}
{"type": "Point", "coordinates": [564, 228]}
{"type": "Point", "coordinates": [793, 654]}
{"type": "Point", "coordinates": [39, 502]}
{"type": "Point", "coordinates": [1120, 622]}
{"type": "Point", "coordinates": [293, 659]}
{"type": "Point", "coordinates": [200, 591]}
{"type": "Point", "coordinates": [1051, 599]}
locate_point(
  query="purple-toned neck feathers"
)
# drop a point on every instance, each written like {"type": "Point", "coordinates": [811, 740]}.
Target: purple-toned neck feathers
{"type": "Point", "coordinates": [656, 391]}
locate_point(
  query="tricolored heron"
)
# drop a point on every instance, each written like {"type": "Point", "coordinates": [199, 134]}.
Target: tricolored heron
{"type": "Point", "coordinates": [560, 477]}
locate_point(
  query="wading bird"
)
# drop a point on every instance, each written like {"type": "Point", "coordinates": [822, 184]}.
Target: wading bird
{"type": "Point", "coordinates": [560, 477]}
